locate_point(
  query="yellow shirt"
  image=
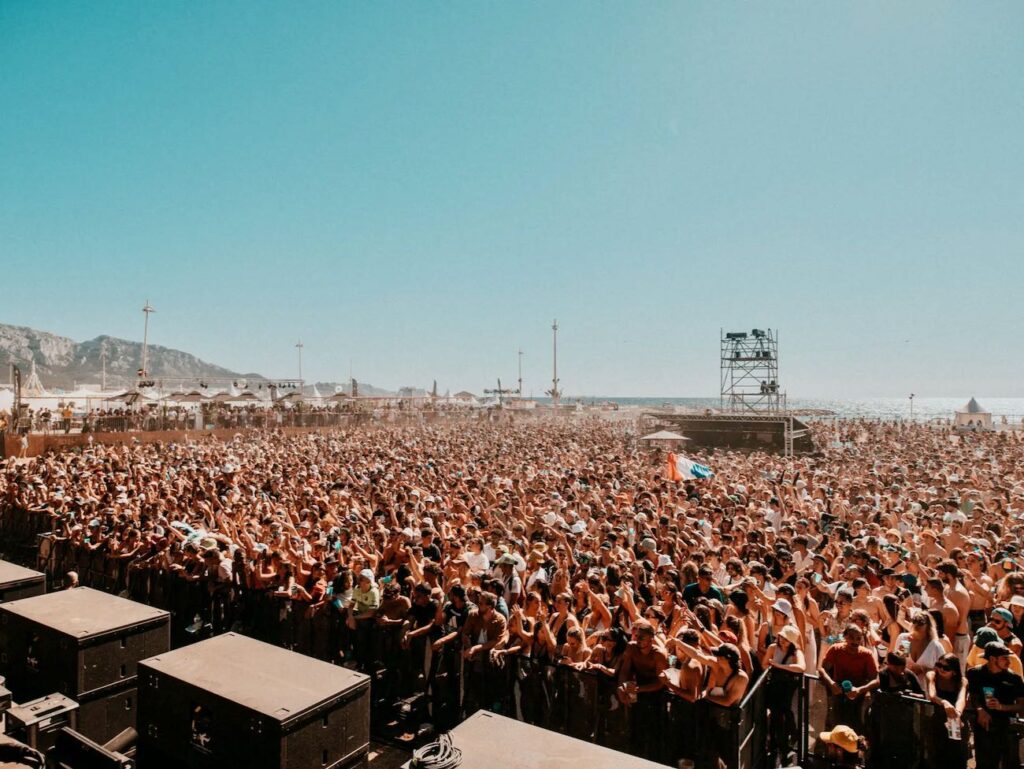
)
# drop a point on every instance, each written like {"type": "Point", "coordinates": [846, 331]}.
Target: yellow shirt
{"type": "Point", "coordinates": [976, 658]}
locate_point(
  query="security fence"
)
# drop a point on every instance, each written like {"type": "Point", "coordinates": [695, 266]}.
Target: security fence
{"type": "Point", "coordinates": [779, 719]}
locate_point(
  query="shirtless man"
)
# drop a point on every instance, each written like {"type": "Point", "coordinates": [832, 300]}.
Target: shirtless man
{"type": "Point", "coordinates": [935, 589]}
{"type": "Point", "coordinates": [691, 675]}
{"type": "Point", "coordinates": [929, 546]}
{"type": "Point", "coordinates": [956, 592]}
{"type": "Point", "coordinates": [642, 665]}
{"type": "Point", "coordinates": [640, 679]}
{"type": "Point", "coordinates": [980, 586]}
{"type": "Point", "coordinates": [865, 600]}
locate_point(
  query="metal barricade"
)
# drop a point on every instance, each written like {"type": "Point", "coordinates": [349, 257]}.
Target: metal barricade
{"type": "Point", "coordinates": [662, 727]}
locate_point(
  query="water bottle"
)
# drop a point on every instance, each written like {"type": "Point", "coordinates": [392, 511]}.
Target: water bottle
{"type": "Point", "coordinates": [847, 686]}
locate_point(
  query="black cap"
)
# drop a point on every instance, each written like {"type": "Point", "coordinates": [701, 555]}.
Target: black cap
{"type": "Point", "coordinates": [996, 649]}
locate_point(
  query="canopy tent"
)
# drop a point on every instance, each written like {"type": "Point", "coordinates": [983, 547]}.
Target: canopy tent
{"type": "Point", "coordinates": [193, 397]}
{"type": "Point", "coordinates": [664, 439]}
{"type": "Point", "coordinates": [973, 417]}
{"type": "Point", "coordinates": [243, 397]}
{"type": "Point", "coordinates": [129, 398]}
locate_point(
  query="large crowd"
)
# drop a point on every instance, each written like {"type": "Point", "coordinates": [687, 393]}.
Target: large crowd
{"type": "Point", "coordinates": [888, 561]}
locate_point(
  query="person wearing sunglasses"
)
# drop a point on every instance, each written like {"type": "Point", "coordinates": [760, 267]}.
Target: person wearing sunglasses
{"type": "Point", "coordinates": [1001, 620]}
{"type": "Point", "coordinates": [995, 694]}
{"type": "Point", "coordinates": [947, 689]}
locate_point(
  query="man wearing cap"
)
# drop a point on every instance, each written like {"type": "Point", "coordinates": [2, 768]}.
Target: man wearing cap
{"type": "Point", "coordinates": [894, 677]}
{"type": "Point", "coordinates": [976, 656]}
{"type": "Point", "coordinates": [1001, 620]}
{"type": "Point", "coordinates": [995, 693]}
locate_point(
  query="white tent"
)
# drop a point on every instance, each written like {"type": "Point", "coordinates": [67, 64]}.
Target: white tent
{"type": "Point", "coordinates": [665, 439]}
{"type": "Point", "coordinates": [973, 417]}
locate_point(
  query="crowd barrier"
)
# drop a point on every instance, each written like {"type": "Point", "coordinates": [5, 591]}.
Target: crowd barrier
{"type": "Point", "coordinates": [781, 715]}
{"type": "Point", "coordinates": [441, 686]}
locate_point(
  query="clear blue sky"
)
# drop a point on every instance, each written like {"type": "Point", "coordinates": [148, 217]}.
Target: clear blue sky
{"type": "Point", "coordinates": [419, 188]}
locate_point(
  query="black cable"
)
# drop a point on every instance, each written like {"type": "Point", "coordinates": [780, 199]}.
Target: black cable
{"type": "Point", "coordinates": [440, 754]}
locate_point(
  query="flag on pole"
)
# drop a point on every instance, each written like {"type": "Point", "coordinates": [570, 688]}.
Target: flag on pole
{"type": "Point", "coordinates": [680, 469]}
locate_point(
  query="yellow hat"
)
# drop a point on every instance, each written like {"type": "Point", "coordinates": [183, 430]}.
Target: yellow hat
{"type": "Point", "coordinates": [843, 736]}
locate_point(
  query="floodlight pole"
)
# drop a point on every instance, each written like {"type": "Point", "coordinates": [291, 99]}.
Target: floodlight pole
{"type": "Point", "coordinates": [554, 374]}
{"type": "Point", "coordinates": [145, 340]}
{"type": "Point", "coordinates": [520, 369]}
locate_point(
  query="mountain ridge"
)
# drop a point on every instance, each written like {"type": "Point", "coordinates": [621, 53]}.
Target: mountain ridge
{"type": "Point", "coordinates": [61, 362]}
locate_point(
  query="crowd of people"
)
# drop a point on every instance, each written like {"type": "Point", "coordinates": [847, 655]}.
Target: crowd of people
{"type": "Point", "coordinates": [890, 561]}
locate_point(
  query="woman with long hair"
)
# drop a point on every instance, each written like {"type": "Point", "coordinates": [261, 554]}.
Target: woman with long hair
{"type": "Point", "coordinates": [804, 602]}
{"type": "Point", "coordinates": [889, 627]}
{"type": "Point", "coordinates": [784, 661]}
{"type": "Point", "coordinates": [921, 646]}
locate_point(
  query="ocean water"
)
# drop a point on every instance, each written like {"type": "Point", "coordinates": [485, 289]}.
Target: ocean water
{"type": "Point", "coordinates": [925, 409]}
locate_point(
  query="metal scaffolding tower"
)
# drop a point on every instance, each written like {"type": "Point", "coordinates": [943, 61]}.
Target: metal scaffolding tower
{"type": "Point", "coordinates": [750, 372]}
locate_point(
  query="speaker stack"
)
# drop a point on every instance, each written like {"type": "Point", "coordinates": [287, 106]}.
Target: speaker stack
{"type": "Point", "coordinates": [232, 701]}
{"type": "Point", "coordinates": [85, 645]}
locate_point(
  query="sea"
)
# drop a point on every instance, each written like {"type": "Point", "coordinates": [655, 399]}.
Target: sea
{"type": "Point", "coordinates": [924, 409]}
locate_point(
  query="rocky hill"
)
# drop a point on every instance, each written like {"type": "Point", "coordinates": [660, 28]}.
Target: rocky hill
{"type": "Point", "coordinates": [62, 362]}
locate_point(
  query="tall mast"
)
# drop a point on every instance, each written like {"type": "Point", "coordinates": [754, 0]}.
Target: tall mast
{"type": "Point", "coordinates": [520, 372]}
{"type": "Point", "coordinates": [144, 371]}
{"type": "Point", "coordinates": [555, 394]}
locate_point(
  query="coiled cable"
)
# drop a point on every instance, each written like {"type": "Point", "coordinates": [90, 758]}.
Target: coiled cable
{"type": "Point", "coordinates": [439, 754]}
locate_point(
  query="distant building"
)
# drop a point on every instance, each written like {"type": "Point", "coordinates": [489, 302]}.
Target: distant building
{"type": "Point", "coordinates": [973, 417]}
{"type": "Point", "coordinates": [465, 397]}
